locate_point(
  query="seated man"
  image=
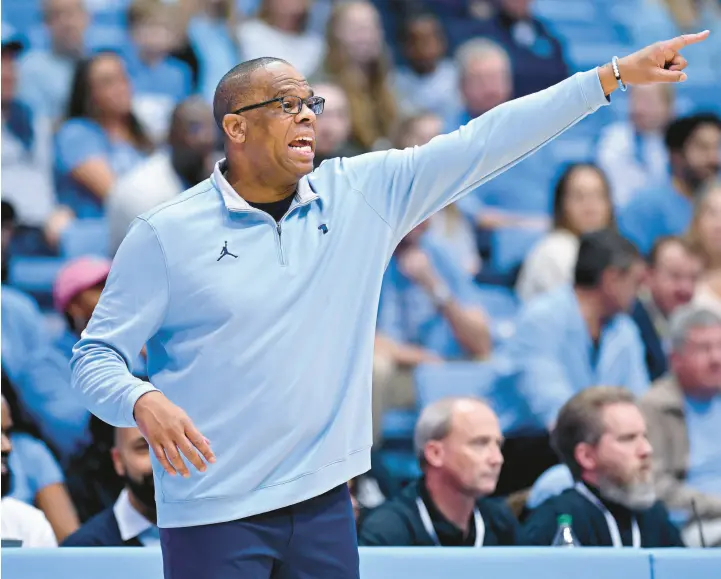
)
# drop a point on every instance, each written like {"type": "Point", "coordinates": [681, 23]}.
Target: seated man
{"type": "Point", "coordinates": [131, 521]}
{"type": "Point", "coordinates": [22, 525]}
{"type": "Point", "coordinates": [601, 436]}
{"type": "Point", "coordinates": [684, 423]}
{"type": "Point", "coordinates": [674, 269]}
{"type": "Point", "coordinates": [458, 443]}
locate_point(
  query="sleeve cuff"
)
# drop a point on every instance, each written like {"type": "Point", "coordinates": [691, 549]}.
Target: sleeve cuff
{"type": "Point", "coordinates": [140, 390]}
{"type": "Point", "coordinates": [590, 83]}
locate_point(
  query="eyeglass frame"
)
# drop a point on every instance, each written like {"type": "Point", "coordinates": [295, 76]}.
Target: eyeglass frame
{"type": "Point", "coordinates": [303, 101]}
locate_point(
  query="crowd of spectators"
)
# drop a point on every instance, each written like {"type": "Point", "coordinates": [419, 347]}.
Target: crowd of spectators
{"type": "Point", "coordinates": [604, 357]}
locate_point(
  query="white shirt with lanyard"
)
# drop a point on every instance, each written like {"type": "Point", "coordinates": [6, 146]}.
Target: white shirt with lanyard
{"type": "Point", "coordinates": [428, 524]}
{"type": "Point", "coordinates": [610, 521]}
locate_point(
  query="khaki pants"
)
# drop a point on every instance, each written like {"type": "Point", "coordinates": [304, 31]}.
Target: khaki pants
{"type": "Point", "coordinates": [392, 389]}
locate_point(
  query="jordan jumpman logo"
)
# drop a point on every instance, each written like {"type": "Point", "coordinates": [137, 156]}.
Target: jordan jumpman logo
{"type": "Point", "coordinates": [224, 252]}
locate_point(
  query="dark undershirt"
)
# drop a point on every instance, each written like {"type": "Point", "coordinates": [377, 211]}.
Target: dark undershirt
{"type": "Point", "coordinates": [275, 209]}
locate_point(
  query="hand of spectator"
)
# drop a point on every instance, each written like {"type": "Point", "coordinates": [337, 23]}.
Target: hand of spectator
{"type": "Point", "coordinates": [414, 264]}
{"type": "Point", "coordinates": [660, 62]}
{"type": "Point", "coordinates": [169, 431]}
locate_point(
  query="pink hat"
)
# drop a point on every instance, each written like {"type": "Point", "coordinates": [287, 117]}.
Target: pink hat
{"type": "Point", "coordinates": [76, 276]}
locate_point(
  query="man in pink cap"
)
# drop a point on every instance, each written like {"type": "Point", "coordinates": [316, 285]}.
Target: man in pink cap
{"type": "Point", "coordinates": [76, 292]}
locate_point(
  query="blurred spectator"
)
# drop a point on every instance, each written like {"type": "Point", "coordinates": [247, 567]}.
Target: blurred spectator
{"type": "Point", "coordinates": [131, 521]}
{"type": "Point", "coordinates": [694, 145]}
{"type": "Point", "coordinates": [46, 75]}
{"type": "Point", "coordinates": [21, 523]}
{"type": "Point", "coordinates": [333, 127]}
{"type": "Point", "coordinates": [357, 60]}
{"type": "Point", "coordinates": [37, 479]}
{"type": "Point", "coordinates": [281, 31]}
{"type": "Point", "coordinates": [26, 147]}
{"type": "Point", "coordinates": [705, 235]}
{"type": "Point", "coordinates": [76, 293]}
{"type": "Point", "coordinates": [632, 153]}
{"type": "Point", "coordinates": [9, 224]}
{"type": "Point", "coordinates": [211, 36]}
{"type": "Point", "coordinates": [684, 420]}
{"type": "Point", "coordinates": [673, 272]}
{"type": "Point", "coordinates": [669, 18]}
{"type": "Point", "coordinates": [187, 161]}
{"type": "Point", "coordinates": [581, 204]}
{"type": "Point", "coordinates": [100, 140]}
{"type": "Point", "coordinates": [577, 336]}
{"type": "Point", "coordinates": [429, 80]}
{"type": "Point", "coordinates": [428, 312]}
{"type": "Point", "coordinates": [458, 444]}
{"type": "Point", "coordinates": [159, 81]}
{"type": "Point", "coordinates": [38, 372]}
{"type": "Point", "coordinates": [601, 437]}
{"type": "Point", "coordinates": [448, 225]}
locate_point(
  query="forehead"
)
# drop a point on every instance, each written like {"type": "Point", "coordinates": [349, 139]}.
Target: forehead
{"type": "Point", "coordinates": [278, 79]}
{"type": "Point", "coordinates": [622, 417]}
{"type": "Point", "coordinates": [473, 419]}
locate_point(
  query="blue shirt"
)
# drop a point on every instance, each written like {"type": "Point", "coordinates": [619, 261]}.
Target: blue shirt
{"type": "Point", "coordinates": [407, 313]}
{"type": "Point", "coordinates": [655, 213]}
{"type": "Point", "coordinates": [40, 374]}
{"type": "Point", "coordinates": [215, 50]}
{"type": "Point", "coordinates": [703, 421]}
{"type": "Point", "coordinates": [554, 357]}
{"type": "Point", "coordinates": [33, 467]}
{"type": "Point", "coordinates": [220, 293]}
{"type": "Point", "coordinates": [77, 141]}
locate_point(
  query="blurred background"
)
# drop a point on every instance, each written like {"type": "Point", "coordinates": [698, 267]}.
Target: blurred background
{"type": "Point", "coordinates": [106, 112]}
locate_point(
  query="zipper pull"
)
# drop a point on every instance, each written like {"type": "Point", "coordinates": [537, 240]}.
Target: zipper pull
{"type": "Point", "coordinates": [278, 228]}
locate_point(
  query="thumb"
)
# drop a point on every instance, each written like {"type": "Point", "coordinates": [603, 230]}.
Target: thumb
{"type": "Point", "coordinates": [663, 75]}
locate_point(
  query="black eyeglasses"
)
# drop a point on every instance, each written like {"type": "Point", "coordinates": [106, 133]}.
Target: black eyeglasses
{"type": "Point", "coordinates": [290, 104]}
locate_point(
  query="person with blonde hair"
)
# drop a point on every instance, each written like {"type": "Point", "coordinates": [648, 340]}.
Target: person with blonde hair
{"type": "Point", "coordinates": [705, 235]}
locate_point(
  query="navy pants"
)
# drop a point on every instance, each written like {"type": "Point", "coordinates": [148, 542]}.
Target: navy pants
{"type": "Point", "coordinates": [315, 539]}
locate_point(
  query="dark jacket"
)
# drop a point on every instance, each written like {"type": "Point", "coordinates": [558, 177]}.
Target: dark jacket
{"type": "Point", "coordinates": [398, 523]}
{"type": "Point", "coordinates": [100, 531]}
{"type": "Point", "coordinates": [589, 524]}
{"type": "Point", "coordinates": [656, 360]}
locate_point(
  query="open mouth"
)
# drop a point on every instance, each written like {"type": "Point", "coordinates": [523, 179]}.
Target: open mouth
{"type": "Point", "coordinates": [303, 145]}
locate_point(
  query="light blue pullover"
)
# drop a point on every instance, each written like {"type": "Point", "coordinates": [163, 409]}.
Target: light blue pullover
{"type": "Point", "coordinates": [270, 353]}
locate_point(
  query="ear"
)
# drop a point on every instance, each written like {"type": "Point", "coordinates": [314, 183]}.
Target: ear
{"type": "Point", "coordinates": [434, 453]}
{"type": "Point", "coordinates": [117, 463]}
{"type": "Point", "coordinates": [585, 456]}
{"type": "Point", "coordinates": [235, 127]}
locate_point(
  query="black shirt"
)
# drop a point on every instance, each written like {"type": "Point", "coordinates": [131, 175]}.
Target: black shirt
{"type": "Point", "coordinates": [590, 526]}
{"type": "Point", "coordinates": [397, 523]}
{"type": "Point", "coordinates": [276, 209]}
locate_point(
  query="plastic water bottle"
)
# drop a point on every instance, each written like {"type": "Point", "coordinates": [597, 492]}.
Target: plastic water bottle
{"type": "Point", "coordinates": [564, 536]}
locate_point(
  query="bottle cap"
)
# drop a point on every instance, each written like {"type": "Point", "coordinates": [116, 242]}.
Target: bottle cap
{"type": "Point", "coordinates": [565, 520]}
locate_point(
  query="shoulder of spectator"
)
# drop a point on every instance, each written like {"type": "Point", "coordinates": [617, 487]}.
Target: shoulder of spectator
{"type": "Point", "coordinates": [94, 530]}
{"type": "Point", "coordinates": [385, 524]}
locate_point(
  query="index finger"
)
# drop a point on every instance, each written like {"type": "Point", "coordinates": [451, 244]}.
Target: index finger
{"type": "Point", "coordinates": [200, 442]}
{"type": "Point", "coordinates": [685, 39]}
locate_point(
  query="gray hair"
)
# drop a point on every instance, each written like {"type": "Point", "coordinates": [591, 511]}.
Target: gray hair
{"type": "Point", "coordinates": [480, 49]}
{"type": "Point", "coordinates": [687, 318]}
{"type": "Point", "coordinates": [434, 423]}
{"type": "Point", "coordinates": [579, 421]}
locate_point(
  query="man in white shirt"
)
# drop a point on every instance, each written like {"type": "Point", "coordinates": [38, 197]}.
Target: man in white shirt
{"type": "Point", "coordinates": [22, 525]}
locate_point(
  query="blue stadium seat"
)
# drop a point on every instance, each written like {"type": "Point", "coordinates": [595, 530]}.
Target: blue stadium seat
{"type": "Point", "coordinates": [509, 246]}
{"type": "Point", "coordinates": [85, 237]}
{"type": "Point", "coordinates": [35, 275]}
{"type": "Point", "coordinates": [501, 304]}
{"type": "Point", "coordinates": [398, 425]}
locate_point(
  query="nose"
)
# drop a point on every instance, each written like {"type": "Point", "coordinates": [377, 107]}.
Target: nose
{"type": "Point", "coordinates": [645, 450]}
{"type": "Point", "coordinates": [496, 456]}
{"type": "Point", "coordinates": [305, 115]}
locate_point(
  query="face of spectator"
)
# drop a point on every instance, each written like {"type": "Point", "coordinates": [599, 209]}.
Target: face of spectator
{"type": "Point", "coordinates": [333, 127]}
{"type": "Point", "coordinates": [518, 9]}
{"type": "Point", "coordinates": [470, 455]}
{"type": "Point", "coordinates": [192, 140]}
{"type": "Point", "coordinates": [131, 459]}
{"type": "Point", "coordinates": [109, 87]}
{"type": "Point", "coordinates": [709, 223]}
{"type": "Point", "coordinates": [698, 362]}
{"type": "Point", "coordinates": [586, 204]}
{"type": "Point", "coordinates": [421, 131]}
{"type": "Point", "coordinates": [82, 306]}
{"type": "Point", "coordinates": [359, 31]}
{"type": "Point", "coordinates": [7, 424]}
{"type": "Point", "coordinates": [621, 461]}
{"type": "Point", "coordinates": [425, 44]}
{"type": "Point", "coordinates": [67, 21]}
{"type": "Point", "coordinates": [672, 280]}
{"type": "Point", "coordinates": [154, 36]}
{"type": "Point", "coordinates": [8, 77]}
{"type": "Point", "coordinates": [620, 287]}
{"type": "Point", "coordinates": [288, 15]}
{"type": "Point", "coordinates": [702, 154]}
{"type": "Point", "coordinates": [649, 107]}
{"type": "Point", "coordinates": [486, 83]}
